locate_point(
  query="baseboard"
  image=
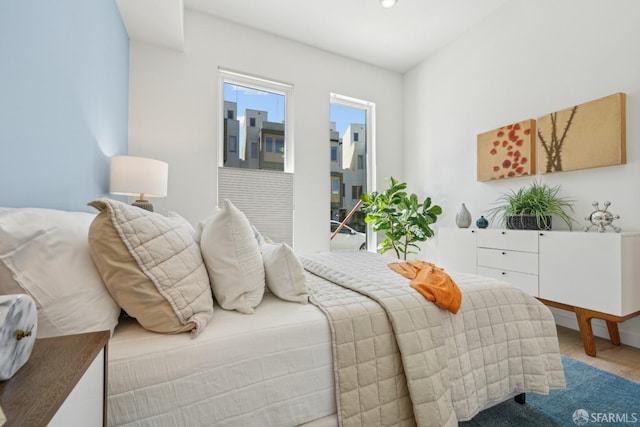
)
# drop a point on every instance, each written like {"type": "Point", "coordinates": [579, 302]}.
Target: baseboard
{"type": "Point", "coordinates": [629, 335]}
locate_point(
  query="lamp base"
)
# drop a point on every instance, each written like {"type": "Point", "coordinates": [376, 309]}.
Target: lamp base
{"type": "Point", "coordinates": [143, 204]}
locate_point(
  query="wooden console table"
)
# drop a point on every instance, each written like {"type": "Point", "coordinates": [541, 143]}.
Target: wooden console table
{"type": "Point", "coordinates": [584, 316]}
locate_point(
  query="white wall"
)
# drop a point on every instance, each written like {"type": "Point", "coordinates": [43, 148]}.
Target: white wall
{"type": "Point", "coordinates": [528, 59]}
{"type": "Point", "coordinates": [174, 114]}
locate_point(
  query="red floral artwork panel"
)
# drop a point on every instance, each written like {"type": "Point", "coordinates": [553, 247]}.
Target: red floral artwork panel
{"type": "Point", "coordinates": [507, 152]}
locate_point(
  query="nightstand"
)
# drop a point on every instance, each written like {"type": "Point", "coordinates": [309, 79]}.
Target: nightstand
{"type": "Point", "coordinates": [64, 383]}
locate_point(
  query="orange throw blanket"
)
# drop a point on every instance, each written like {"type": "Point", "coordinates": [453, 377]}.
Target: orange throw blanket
{"type": "Point", "coordinates": [432, 282]}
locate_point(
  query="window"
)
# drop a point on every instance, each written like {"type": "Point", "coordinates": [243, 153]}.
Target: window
{"type": "Point", "coordinates": [351, 141]}
{"type": "Point", "coordinates": [280, 145]}
{"type": "Point", "coordinates": [252, 108]}
{"type": "Point", "coordinates": [233, 144]}
{"type": "Point", "coordinates": [335, 185]}
{"type": "Point", "coordinates": [258, 183]}
{"type": "Point", "coordinates": [356, 192]}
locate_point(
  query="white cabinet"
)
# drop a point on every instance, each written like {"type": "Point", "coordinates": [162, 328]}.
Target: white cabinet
{"type": "Point", "coordinates": [515, 240]}
{"type": "Point", "coordinates": [596, 275]}
{"type": "Point", "coordinates": [510, 255]}
{"type": "Point", "coordinates": [596, 271]}
{"type": "Point", "coordinates": [457, 249]}
{"type": "Point", "coordinates": [526, 282]}
{"type": "Point", "coordinates": [84, 405]}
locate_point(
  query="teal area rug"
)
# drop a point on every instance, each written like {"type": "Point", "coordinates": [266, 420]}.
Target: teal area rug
{"type": "Point", "coordinates": [593, 397]}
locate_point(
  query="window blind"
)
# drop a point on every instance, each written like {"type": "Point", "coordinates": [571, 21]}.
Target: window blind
{"type": "Point", "coordinates": [265, 197]}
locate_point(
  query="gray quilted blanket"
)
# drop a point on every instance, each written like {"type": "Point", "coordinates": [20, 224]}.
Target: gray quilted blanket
{"type": "Point", "coordinates": [400, 360]}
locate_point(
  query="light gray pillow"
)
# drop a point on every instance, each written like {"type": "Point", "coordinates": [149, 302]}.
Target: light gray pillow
{"type": "Point", "coordinates": [232, 256]}
{"type": "Point", "coordinates": [284, 273]}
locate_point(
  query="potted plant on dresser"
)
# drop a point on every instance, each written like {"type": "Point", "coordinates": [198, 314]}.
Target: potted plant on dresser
{"type": "Point", "coordinates": [532, 207]}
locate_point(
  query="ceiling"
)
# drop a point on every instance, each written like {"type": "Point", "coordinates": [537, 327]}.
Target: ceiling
{"type": "Point", "coordinates": [396, 39]}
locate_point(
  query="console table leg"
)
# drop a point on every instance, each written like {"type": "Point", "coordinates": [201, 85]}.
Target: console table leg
{"type": "Point", "coordinates": [614, 335]}
{"type": "Point", "coordinates": [586, 332]}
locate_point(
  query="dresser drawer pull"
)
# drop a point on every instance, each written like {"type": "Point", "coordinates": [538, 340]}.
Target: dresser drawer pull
{"type": "Point", "coordinates": [504, 253]}
{"type": "Point", "coordinates": [504, 273]}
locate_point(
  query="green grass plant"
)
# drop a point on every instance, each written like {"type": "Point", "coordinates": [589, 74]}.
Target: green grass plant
{"type": "Point", "coordinates": [538, 199]}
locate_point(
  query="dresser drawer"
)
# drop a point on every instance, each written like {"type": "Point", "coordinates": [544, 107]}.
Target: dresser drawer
{"type": "Point", "coordinates": [515, 240]}
{"type": "Point", "coordinates": [526, 282]}
{"type": "Point", "coordinates": [522, 262]}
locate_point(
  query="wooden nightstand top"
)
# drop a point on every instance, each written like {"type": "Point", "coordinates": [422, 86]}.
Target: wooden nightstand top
{"type": "Point", "coordinates": [36, 392]}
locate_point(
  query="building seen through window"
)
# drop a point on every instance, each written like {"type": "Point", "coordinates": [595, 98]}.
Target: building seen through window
{"type": "Point", "coordinates": [254, 128]}
{"type": "Point", "coordinates": [347, 140]}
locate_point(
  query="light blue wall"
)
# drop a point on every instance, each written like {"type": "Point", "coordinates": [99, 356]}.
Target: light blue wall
{"type": "Point", "coordinates": [63, 100]}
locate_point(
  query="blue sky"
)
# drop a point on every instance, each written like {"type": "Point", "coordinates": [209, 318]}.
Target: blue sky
{"type": "Point", "coordinates": [344, 116]}
{"type": "Point", "coordinates": [253, 99]}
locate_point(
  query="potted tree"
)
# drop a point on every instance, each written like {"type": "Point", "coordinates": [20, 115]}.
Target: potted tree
{"type": "Point", "coordinates": [531, 208]}
{"type": "Point", "coordinates": [402, 218]}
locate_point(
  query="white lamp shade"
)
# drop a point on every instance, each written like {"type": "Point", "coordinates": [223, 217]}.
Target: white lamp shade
{"type": "Point", "coordinates": [133, 176]}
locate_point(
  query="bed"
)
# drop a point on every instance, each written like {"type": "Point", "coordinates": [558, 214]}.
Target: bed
{"type": "Point", "coordinates": [366, 350]}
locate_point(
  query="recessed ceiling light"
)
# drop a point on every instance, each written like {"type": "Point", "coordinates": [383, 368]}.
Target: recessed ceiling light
{"type": "Point", "coordinates": [388, 3]}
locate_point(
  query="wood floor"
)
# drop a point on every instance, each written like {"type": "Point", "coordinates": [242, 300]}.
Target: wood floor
{"type": "Point", "coordinates": [621, 360]}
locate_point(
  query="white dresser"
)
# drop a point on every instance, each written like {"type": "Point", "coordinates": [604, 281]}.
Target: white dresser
{"type": "Point", "coordinates": [596, 275]}
{"type": "Point", "coordinates": [509, 256]}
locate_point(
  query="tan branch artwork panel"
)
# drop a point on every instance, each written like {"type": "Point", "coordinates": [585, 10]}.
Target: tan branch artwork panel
{"type": "Point", "coordinates": [507, 152]}
{"type": "Point", "coordinates": [585, 136]}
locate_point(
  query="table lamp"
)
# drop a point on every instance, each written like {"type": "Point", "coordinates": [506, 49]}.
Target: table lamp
{"type": "Point", "coordinates": [139, 177]}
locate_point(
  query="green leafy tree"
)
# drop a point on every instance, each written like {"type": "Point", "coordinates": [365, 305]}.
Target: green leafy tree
{"type": "Point", "coordinates": [402, 218]}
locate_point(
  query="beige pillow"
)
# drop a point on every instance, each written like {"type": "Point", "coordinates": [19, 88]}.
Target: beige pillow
{"type": "Point", "coordinates": [44, 253]}
{"type": "Point", "coordinates": [284, 273]}
{"type": "Point", "coordinates": [152, 267]}
{"type": "Point", "coordinates": [232, 256]}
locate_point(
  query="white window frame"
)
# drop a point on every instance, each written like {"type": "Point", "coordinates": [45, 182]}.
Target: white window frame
{"type": "Point", "coordinates": [370, 114]}
{"type": "Point", "coordinates": [268, 85]}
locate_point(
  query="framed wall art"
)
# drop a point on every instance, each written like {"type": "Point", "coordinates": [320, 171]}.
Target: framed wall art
{"type": "Point", "coordinates": [584, 136]}
{"type": "Point", "coordinates": [507, 152]}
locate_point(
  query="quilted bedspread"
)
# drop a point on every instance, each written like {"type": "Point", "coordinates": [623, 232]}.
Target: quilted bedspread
{"type": "Point", "coordinates": [400, 360]}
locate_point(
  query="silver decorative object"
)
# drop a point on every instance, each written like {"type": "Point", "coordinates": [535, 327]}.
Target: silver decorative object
{"type": "Point", "coordinates": [601, 218]}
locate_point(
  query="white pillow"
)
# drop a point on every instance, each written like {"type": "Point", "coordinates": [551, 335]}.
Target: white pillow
{"type": "Point", "coordinates": [232, 256]}
{"type": "Point", "coordinates": [47, 254]}
{"type": "Point", "coordinates": [284, 273]}
{"type": "Point", "coordinates": [200, 225]}
{"type": "Point", "coordinates": [182, 221]}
